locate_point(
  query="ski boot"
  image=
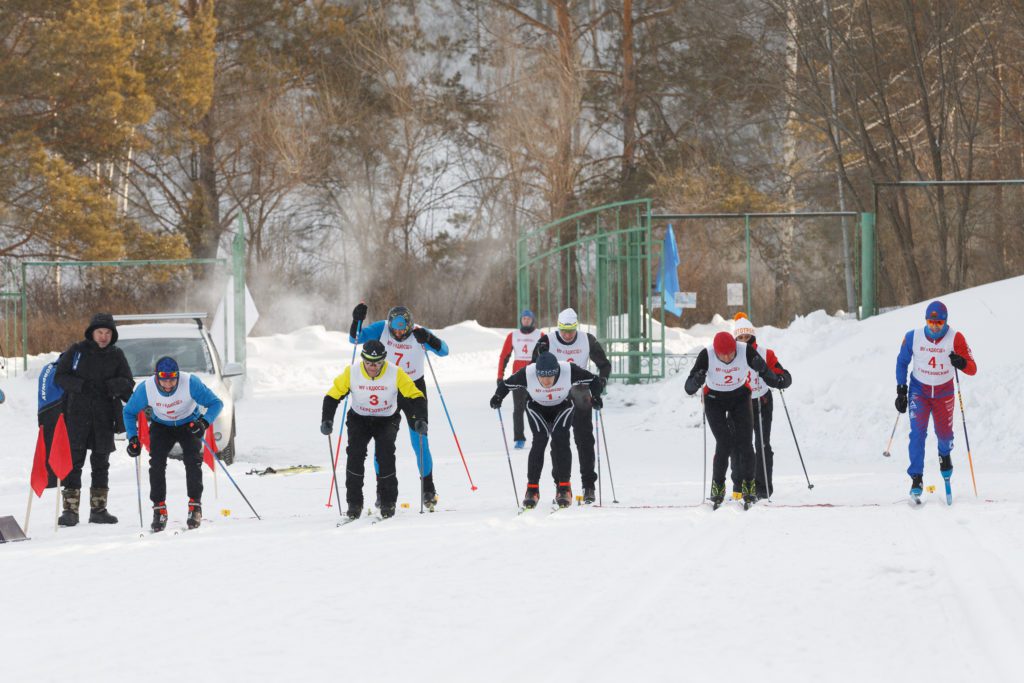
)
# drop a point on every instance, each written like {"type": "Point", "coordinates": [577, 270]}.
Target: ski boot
{"type": "Point", "coordinates": [195, 514]}
{"type": "Point", "coordinates": [356, 509]}
{"type": "Point", "coordinates": [749, 494]}
{"type": "Point", "coordinates": [387, 510]}
{"type": "Point", "coordinates": [520, 444]}
{"type": "Point", "coordinates": [532, 496]}
{"type": "Point", "coordinates": [159, 517]}
{"type": "Point", "coordinates": [946, 466]}
{"type": "Point", "coordinates": [717, 495]}
{"type": "Point", "coordinates": [429, 500]}
{"type": "Point", "coordinates": [589, 496]}
{"type": "Point", "coordinates": [563, 495]}
{"type": "Point", "coordinates": [70, 515]}
{"type": "Point", "coordinates": [916, 489]}
{"type": "Point", "coordinates": [98, 507]}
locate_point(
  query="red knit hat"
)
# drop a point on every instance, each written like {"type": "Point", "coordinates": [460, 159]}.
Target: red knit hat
{"type": "Point", "coordinates": [724, 344]}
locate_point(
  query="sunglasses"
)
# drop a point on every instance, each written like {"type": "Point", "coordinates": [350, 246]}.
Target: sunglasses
{"type": "Point", "coordinates": [936, 323]}
{"type": "Point", "coordinates": [167, 375]}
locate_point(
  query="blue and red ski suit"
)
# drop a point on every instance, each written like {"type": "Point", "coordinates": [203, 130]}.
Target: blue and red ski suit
{"type": "Point", "coordinates": [930, 400]}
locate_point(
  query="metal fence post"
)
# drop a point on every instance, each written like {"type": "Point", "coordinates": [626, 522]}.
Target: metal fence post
{"type": "Point", "coordinates": [867, 265]}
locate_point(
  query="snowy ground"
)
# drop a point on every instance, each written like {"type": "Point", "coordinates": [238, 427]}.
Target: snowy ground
{"type": "Point", "coordinates": [654, 588]}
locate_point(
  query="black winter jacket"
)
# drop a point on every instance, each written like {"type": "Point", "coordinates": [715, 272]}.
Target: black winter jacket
{"type": "Point", "coordinates": [96, 381]}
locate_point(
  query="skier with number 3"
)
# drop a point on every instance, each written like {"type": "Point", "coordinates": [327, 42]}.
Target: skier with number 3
{"type": "Point", "coordinates": [937, 352]}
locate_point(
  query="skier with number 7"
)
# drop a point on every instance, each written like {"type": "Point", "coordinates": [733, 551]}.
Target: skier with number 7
{"type": "Point", "coordinates": [937, 352]}
{"type": "Point", "coordinates": [406, 345]}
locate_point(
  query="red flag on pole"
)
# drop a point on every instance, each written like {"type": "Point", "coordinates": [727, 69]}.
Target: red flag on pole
{"type": "Point", "coordinates": [39, 475]}
{"type": "Point", "coordinates": [144, 431]}
{"type": "Point", "coordinates": [208, 452]}
{"type": "Point", "coordinates": [60, 450]}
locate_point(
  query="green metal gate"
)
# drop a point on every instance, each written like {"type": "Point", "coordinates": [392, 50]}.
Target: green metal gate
{"type": "Point", "coordinates": [599, 262]}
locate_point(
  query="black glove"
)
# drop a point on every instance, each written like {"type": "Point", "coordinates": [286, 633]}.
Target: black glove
{"type": "Point", "coordinates": [901, 398]}
{"type": "Point", "coordinates": [359, 312]}
{"type": "Point", "coordinates": [421, 335]}
{"type": "Point", "coordinates": [597, 402]}
{"type": "Point", "coordinates": [198, 427]}
{"type": "Point", "coordinates": [597, 386]}
{"type": "Point", "coordinates": [694, 382]}
{"type": "Point", "coordinates": [957, 361]}
{"type": "Point", "coordinates": [326, 427]}
{"type": "Point", "coordinates": [496, 401]}
{"type": "Point", "coordinates": [500, 381]}
{"type": "Point", "coordinates": [134, 447]}
{"type": "Point", "coordinates": [542, 346]}
{"type": "Point", "coordinates": [420, 426]}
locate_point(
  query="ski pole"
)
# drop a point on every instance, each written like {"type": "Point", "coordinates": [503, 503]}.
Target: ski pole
{"type": "Point", "coordinates": [764, 457]}
{"type": "Point", "coordinates": [886, 452]}
{"type": "Point", "coordinates": [138, 488]}
{"type": "Point", "coordinates": [341, 429]}
{"type": "Point", "coordinates": [515, 491]}
{"type": "Point", "coordinates": [444, 405]}
{"type": "Point", "coordinates": [783, 395]}
{"type": "Point", "coordinates": [704, 422]}
{"type": "Point", "coordinates": [963, 416]}
{"type": "Point", "coordinates": [608, 457]}
{"type": "Point", "coordinates": [232, 479]}
{"type": "Point", "coordinates": [332, 458]}
{"type": "Point", "coordinates": [597, 442]}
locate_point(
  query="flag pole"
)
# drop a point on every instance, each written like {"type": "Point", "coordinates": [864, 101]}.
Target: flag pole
{"type": "Point", "coordinates": [28, 509]}
{"type": "Point", "coordinates": [56, 508]}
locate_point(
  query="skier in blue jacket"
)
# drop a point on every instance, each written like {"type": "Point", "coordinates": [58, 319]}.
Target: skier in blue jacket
{"type": "Point", "coordinates": [180, 408]}
{"type": "Point", "coordinates": [407, 345]}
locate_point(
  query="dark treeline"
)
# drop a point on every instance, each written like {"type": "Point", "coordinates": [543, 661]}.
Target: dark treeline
{"type": "Point", "coordinates": [392, 151]}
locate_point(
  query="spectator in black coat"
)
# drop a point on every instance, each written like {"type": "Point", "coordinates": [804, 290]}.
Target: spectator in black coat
{"type": "Point", "coordinates": [96, 378]}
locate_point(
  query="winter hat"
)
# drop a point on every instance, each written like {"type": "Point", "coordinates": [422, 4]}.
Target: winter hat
{"type": "Point", "coordinates": [527, 313]}
{"type": "Point", "coordinates": [724, 344]}
{"type": "Point", "coordinates": [547, 365]}
{"type": "Point", "coordinates": [568, 321]}
{"type": "Point", "coordinates": [166, 368]}
{"type": "Point", "coordinates": [102, 321]}
{"type": "Point", "coordinates": [374, 351]}
{"type": "Point", "coordinates": [742, 325]}
{"type": "Point", "coordinates": [936, 311]}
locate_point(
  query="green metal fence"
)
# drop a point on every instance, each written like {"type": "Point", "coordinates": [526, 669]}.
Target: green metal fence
{"type": "Point", "coordinates": [601, 263]}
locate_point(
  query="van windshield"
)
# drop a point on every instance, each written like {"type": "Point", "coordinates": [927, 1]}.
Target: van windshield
{"type": "Point", "coordinates": [142, 354]}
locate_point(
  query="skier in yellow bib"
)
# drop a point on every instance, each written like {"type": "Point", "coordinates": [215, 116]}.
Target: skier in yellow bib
{"type": "Point", "coordinates": [375, 386]}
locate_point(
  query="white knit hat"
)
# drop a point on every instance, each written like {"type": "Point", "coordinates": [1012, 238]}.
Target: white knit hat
{"type": "Point", "coordinates": [743, 326]}
{"type": "Point", "coordinates": [568, 320]}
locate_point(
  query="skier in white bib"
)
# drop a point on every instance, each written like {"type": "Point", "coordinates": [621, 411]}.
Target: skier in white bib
{"type": "Point", "coordinates": [519, 345]}
{"type": "Point", "coordinates": [180, 408]}
{"type": "Point", "coordinates": [407, 345]}
{"type": "Point", "coordinates": [550, 408]}
{"type": "Point", "coordinates": [725, 366]}
{"type": "Point", "coordinates": [763, 403]}
{"type": "Point", "coordinates": [377, 390]}
{"type": "Point", "coordinates": [568, 345]}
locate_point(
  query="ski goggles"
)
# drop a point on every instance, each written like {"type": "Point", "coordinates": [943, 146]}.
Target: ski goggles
{"type": "Point", "coordinates": [173, 374]}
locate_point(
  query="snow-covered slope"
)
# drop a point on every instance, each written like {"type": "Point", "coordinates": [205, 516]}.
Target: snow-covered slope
{"type": "Point", "coordinates": [655, 587]}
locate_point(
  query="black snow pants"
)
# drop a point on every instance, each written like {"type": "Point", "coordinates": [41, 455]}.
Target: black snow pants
{"type": "Point", "coordinates": [519, 399]}
{"type": "Point", "coordinates": [550, 423]}
{"type": "Point", "coordinates": [383, 431]}
{"type": "Point", "coordinates": [762, 423]}
{"type": "Point", "coordinates": [730, 419]}
{"type": "Point", "coordinates": [161, 440]}
{"type": "Point", "coordinates": [583, 434]}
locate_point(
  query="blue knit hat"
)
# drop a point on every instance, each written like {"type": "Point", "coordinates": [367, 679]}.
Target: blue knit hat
{"type": "Point", "coordinates": [527, 313]}
{"type": "Point", "coordinates": [168, 367]}
{"type": "Point", "coordinates": [936, 311]}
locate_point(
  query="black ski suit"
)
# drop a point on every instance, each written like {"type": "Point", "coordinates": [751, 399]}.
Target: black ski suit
{"type": "Point", "coordinates": [550, 422]}
{"type": "Point", "coordinates": [95, 382]}
{"type": "Point", "coordinates": [730, 417]}
{"type": "Point", "coordinates": [583, 416]}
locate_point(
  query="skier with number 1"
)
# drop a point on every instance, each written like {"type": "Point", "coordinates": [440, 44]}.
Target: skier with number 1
{"type": "Point", "coordinates": [937, 352]}
{"type": "Point", "coordinates": [407, 345]}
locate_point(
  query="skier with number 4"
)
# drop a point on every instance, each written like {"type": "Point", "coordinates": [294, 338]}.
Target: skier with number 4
{"type": "Point", "coordinates": [406, 345]}
{"type": "Point", "coordinates": [937, 352]}
{"type": "Point", "coordinates": [723, 369]}
{"type": "Point", "coordinates": [519, 346]}
{"type": "Point", "coordinates": [549, 408]}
